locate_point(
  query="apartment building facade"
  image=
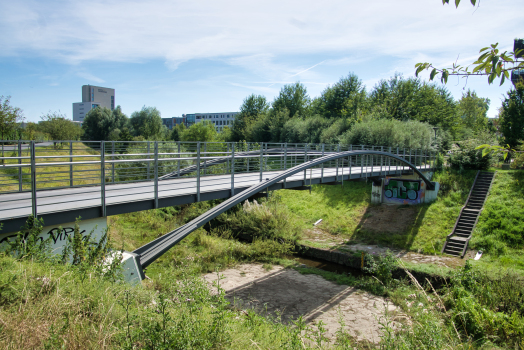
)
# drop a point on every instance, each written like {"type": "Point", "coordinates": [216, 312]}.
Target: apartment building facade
{"type": "Point", "coordinates": [92, 97]}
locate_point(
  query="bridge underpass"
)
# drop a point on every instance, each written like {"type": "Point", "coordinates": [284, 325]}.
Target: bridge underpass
{"type": "Point", "coordinates": [99, 179]}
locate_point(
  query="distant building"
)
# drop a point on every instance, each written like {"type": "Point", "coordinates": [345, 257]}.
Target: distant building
{"type": "Point", "coordinates": [220, 120]}
{"type": "Point", "coordinates": [518, 74]}
{"type": "Point", "coordinates": [168, 122]}
{"type": "Point", "coordinates": [92, 97]}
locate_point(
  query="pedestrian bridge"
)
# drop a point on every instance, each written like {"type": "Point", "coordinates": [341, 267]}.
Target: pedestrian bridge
{"type": "Point", "coordinates": [63, 180]}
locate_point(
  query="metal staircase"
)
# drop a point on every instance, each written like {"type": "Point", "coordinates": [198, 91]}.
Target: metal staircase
{"type": "Point", "coordinates": [457, 241]}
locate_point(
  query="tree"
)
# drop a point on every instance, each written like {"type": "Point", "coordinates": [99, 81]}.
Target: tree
{"type": "Point", "coordinates": [251, 109]}
{"type": "Point", "coordinates": [203, 131]}
{"type": "Point", "coordinates": [147, 123]}
{"type": "Point", "coordinates": [342, 99]}
{"type": "Point", "coordinates": [98, 124]}
{"type": "Point", "coordinates": [294, 97]}
{"type": "Point", "coordinates": [491, 62]}
{"type": "Point", "coordinates": [512, 117]}
{"type": "Point", "coordinates": [411, 99]}
{"type": "Point", "coordinates": [473, 111]}
{"type": "Point", "coordinates": [10, 117]}
{"type": "Point", "coordinates": [58, 127]}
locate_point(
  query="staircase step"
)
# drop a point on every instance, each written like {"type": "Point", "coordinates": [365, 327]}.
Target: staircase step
{"type": "Point", "coordinates": [457, 239]}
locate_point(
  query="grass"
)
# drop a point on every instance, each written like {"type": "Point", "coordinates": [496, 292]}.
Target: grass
{"type": "Point", "coordinates": [344, 211]}
{"type": "Point", "coordinates": [499, 232]}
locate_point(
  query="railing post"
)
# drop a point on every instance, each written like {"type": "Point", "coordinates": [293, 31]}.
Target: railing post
{"type": "Point", "coordinates": [404, 156]}
{"type": "Point", "coordinates": [20, 168]}
{"type": "Point", "coordinates": [205, 156]}
{"type": "Point", "coordinates": [381, 159]}
{"type": "Point", "coordinates": [285, 162]}
{"type": "Point", "coordinates": [342, 170]}
{"type": "Point", "coordinates": [372, 157]}
{"type": "Point", "coordinates": [156, 174]}
{"type": "Point", "coordinates": [389, 162]}
{"type": "Point", "coordinates": [112, 163]}
{"type": "Point", "coordinates": [33, 180]}
{"type": "Point", "coordinates": [336, 174]}
{"type": "Point", "coordinates": [349, 161]}
{"type": "Point", "coordinates": [71, 165]}
{"type": "Point", "coordinates": [178, 170]}
{"type": "Point", "coordinates": [248, 157]}
{"type": "Point", "coordinates": [198, 171]}
{"type": "Point", "coordinates": [322, 166]}
{"type": "Point", "coordinates": [227, 156]}
{"type": "Point", "coordinates": [148, 165]}
{"type": "Point", "coordinates": [261, 160]}
{"type": "Point", "coordinates": [103, 178]}
{"type": "Point", "coordinates": [305, 160]}
{"type": "Point", "coordinates": [232, 170]}
{"type": "Point", "coordinates": [361, 162]}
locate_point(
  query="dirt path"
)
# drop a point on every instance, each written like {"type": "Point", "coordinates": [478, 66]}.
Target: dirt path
{"type": "Point", "coordinates": [291, 294]}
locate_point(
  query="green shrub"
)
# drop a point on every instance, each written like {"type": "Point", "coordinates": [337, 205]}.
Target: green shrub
{"type": "Point", "coordinates": [267, 220]}
{"type": "Point", "coordinates": [466, 157]}
{"type": "Point", "coordinates": [390, 133]}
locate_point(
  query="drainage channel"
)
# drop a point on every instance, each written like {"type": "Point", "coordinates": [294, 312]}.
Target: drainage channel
{"type": "Point", "coordinates": [327, 266]}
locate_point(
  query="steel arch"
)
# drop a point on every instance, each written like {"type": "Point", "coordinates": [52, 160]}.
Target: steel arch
{"type": "Point", "coordinates": [156, 248]}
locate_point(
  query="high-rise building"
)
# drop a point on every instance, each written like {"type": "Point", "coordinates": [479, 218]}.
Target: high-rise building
{"type": "Point", "coordinates": [92, 97]}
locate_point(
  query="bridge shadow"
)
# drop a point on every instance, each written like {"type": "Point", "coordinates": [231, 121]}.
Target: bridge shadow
{"type": "Point", "coordinates": [394, 226]}
{"type": "Point", "coordinates": [351, 191]}
{"type": "Point", "coordinates": [286, 295]}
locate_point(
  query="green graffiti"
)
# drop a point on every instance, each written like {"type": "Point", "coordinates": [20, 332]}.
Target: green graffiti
{"type": "Point", "coordinates": [402, 189]}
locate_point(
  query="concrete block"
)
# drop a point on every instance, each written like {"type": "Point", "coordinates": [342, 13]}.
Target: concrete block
{"type": "Point", "coordinates": [130, 263]}
{"type": "Point", "coordinates": [376, 193]}
{"type": "Point", "coordinates": [431, 196]}
{"type": "Point", "coordinates": [59, 233]}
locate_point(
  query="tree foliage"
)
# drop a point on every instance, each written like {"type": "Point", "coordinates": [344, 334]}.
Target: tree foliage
{"type": "Point", "coordinates": [252, 107]}
{"type": "Point", "coordinates": [412, 99]}
{"type": "Point", "coordinates": [148, 123]}
{"type": "Point", "coordinates": [58, 127]}
{"type": "Point", "coordinates": [473, 111]}
{"type": "Point", "coordinates": [341, 100]}
{"type": "Point", "coordinates": [204, 131]}
{"type": "Point", "coordinates": [512, 117]}
{"type": "Point", "coordinates": [10, 117]}
{"type": "Point", "coordinates": [294, 98]}
{"type": "Point", "coordinates": [390, 133]}
{"type": "Point", "coordinates": [102, 124]}
{"type": "Point", "coordinates": [492, 63]}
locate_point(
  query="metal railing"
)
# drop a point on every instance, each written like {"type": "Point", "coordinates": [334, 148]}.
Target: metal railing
{"type": "Point", "coordinates": [27, 167]}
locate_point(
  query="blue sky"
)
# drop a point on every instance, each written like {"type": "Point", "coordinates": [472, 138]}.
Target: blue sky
{"type": "Point", "coordinates": [207, 56]}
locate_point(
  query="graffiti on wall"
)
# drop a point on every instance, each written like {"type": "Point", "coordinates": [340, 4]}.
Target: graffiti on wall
{"type": "Point", "coordinates": [402, 191]}
{"type": "Point", "coordinates": [59, 235]}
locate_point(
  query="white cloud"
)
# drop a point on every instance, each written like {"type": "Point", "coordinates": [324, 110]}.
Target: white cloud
{"type": "Point", "coordinates": [177, 31]}
{"type": "Point", "coordinates": [90, 77]}
{"type": "Point", "coordinates": [275, 41]}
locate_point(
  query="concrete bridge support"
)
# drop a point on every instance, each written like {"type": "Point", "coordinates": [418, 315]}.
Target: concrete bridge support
{"type": "Point", "coordinates": [403, 189]}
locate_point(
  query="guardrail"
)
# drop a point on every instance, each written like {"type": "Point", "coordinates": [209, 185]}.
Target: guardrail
{"type": "Point", "coordinates": [28, 166]}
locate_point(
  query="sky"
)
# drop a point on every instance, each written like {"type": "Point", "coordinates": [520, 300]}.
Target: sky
{"type": "Point", "coordinates": [207, 56]}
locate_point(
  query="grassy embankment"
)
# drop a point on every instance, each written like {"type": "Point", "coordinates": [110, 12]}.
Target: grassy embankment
{"type": "Point", "coordinates": [348, 215]}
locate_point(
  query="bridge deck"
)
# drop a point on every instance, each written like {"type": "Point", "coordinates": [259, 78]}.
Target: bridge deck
{"type": "Point", "coordinates": [64, 205]}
